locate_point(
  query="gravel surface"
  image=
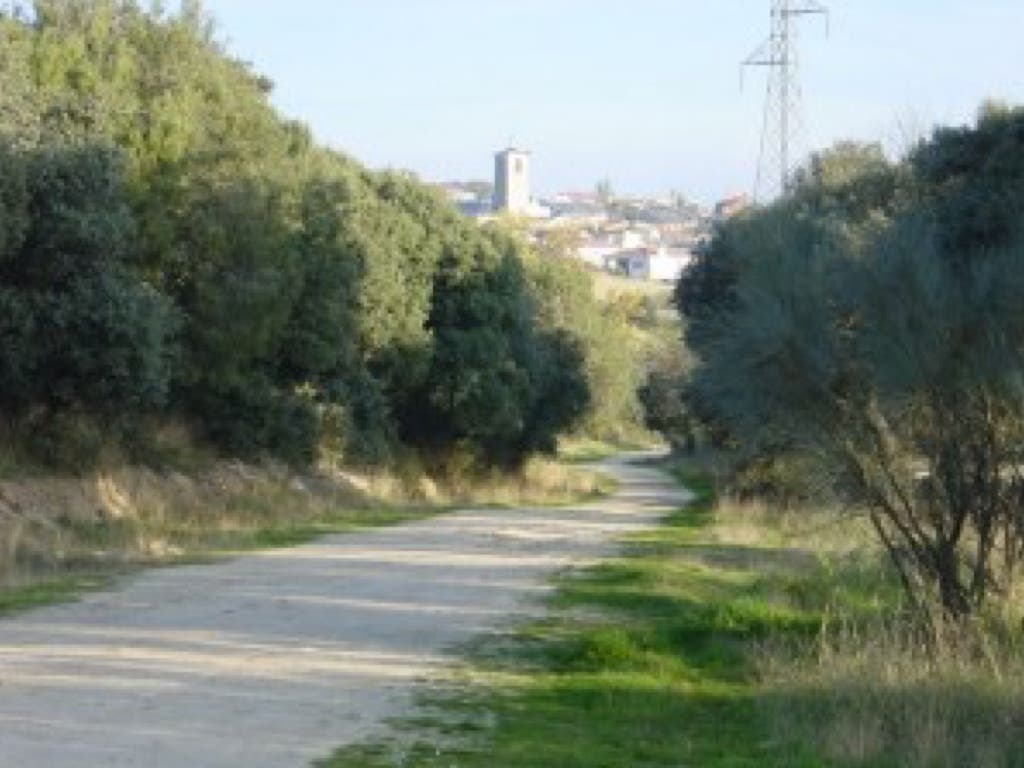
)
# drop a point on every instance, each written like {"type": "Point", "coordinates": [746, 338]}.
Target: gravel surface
{"type": "Point", "coordinates": [275, 659]}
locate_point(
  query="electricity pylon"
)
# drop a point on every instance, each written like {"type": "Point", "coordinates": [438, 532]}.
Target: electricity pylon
{"type": "Point", "coordinates": [782, 106]}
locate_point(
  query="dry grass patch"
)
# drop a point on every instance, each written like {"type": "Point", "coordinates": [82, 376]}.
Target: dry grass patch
{"type": "Point", "coordinates": [875, 696]}
{"type": "Point", "coordinates": [59, 533]}
{"type": "Point", "coordinates": [867, 690]}
{"type": "Point", "coordinates": [53, 528]}
{"type": "Point", "coordinates": [539, 482]}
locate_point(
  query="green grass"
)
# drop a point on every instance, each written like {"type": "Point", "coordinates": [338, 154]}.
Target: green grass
{"type": "Point", "coordinates": [649, 660]}
{"type": "Point", "coordinates": [584, 450]}
{"type": "Point", "coordinates": [17, 599]}
{"type": "Point", "coordinates": [606, 285]}
{"type": "Point", "coordinates": [287, 534]}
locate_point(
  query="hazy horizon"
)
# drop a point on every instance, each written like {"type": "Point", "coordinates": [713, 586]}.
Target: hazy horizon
{"type": "Point", "coordinates": [646, 94]}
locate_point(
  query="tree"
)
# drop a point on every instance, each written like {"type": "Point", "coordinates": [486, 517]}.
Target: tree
{"type": "Point", "coordinates": [876, 335]}
{"type": "Point", "coordinates": [603, 331]}
{"type": "Point", "coordinates": [663, 398]}
{"type": "Point", "coordinates": [201, 258]}
{"type": "Point", "coordinates": [83, 332]}
{"type": "Point", "coordinates": [497, 383]}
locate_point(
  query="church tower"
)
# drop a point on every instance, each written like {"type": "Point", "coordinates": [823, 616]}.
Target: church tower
{"type": "Point", "coordinates": [512, 182]}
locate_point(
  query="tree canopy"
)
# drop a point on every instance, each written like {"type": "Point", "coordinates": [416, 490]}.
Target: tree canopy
{"type": "Point", "coordinates": [170, 245]}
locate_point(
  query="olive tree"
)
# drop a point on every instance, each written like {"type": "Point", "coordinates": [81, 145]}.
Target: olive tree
{"type": "Point", "coordinates": [893, 366]}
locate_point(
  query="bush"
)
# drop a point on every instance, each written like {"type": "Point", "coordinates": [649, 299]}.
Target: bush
{"type": "Point", "coordinates": [248, 420]}
{"type": "Point", "coordinates": [73, 443]}
{"type": "Point", "coordinates": [83, 332]}
{"type": "Point", "coordinates": [497, 384]}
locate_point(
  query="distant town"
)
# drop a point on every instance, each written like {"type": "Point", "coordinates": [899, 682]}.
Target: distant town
{"type": "Point", "coordinates": [642, 238]}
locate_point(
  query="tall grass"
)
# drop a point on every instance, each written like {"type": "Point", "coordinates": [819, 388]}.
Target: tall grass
{"type": "Point", "coordinates": [870, 688]}
{"type": "Point", "coordinates": [54, 528]}
{"type": "Point", "coordinates": [874, 695]}
{"type": "Point", "coordinates": [540, 481]}
{"type": "Point", "coordinates": [59, 530]}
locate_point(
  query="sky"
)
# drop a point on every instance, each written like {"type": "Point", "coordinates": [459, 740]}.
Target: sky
{"type": "Point", "coordinates": [646, 93]}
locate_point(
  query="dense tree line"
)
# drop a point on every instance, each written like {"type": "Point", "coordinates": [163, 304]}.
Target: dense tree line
{"type": "Point", "coordinates": [171, 247]}
{"type": "Point", "coordinates": [616, 340]}
{"type": "Point", "coordinates": [869, 329]}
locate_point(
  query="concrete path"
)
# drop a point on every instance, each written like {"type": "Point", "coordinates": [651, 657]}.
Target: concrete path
{"type": "Point", "coordinates": [276, 659]}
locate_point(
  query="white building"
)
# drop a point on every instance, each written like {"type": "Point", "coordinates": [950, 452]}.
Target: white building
{"type": "Point", "coordinates": [612, 250]}
{"type": "Point", "coordinates": [658, 264]}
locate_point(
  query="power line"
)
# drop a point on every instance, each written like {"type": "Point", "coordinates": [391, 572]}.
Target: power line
{"type": "Point", "coordinates": [782, 114]}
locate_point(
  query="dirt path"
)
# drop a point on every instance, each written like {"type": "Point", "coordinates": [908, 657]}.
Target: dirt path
{"type": "Point", "coordinates": [278, 658]}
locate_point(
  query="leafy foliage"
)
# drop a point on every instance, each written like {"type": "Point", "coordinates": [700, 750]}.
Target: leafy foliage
{"type": "Point", "coordinates": [170, 245]}
{"type": "Point", "coordinates": [81, 332]}
{"type": "Point", "coordinates": [606, 334]}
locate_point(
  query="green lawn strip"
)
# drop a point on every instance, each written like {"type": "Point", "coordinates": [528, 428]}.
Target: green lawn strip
{"type": "Point", "coordinates": [645, 661]}
{"type": "Point", "coordinates": [343, 521]}
{"type": "Point", "coordinates": [593, 451]}
{"type": "Point", "coordinates": [59, 590]}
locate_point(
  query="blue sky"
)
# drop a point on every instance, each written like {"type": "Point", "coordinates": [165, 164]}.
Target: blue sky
{"type": "Point", "coordinates": [645, 92]}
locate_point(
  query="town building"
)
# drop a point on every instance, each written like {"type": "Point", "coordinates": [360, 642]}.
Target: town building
{"type": "Point", "coordinates": [731, 206]}
{"type": "Point", "coordinates": [642, 238]}
{"type": "Point", "coordinates": [473, 199]}
{"type": "Point", "coordinates": [665, 265]}
{"type": "Point", "coordinates": [512, 182]}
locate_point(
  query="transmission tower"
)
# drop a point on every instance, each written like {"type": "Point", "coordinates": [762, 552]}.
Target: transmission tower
{"type": "Point", "coordinates": [782, 107]}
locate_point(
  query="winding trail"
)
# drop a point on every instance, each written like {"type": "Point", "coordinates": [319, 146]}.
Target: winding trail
{"type": "Point", "coordinates": [274, 660]}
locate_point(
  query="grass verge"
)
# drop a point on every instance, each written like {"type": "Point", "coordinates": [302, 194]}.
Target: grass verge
{"type": "Point", "coordinates": [23, 598]}
{"type": "Point", "coordinates": [657, 659]}
{"type": "Point", "coordinates": [643, 661]}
